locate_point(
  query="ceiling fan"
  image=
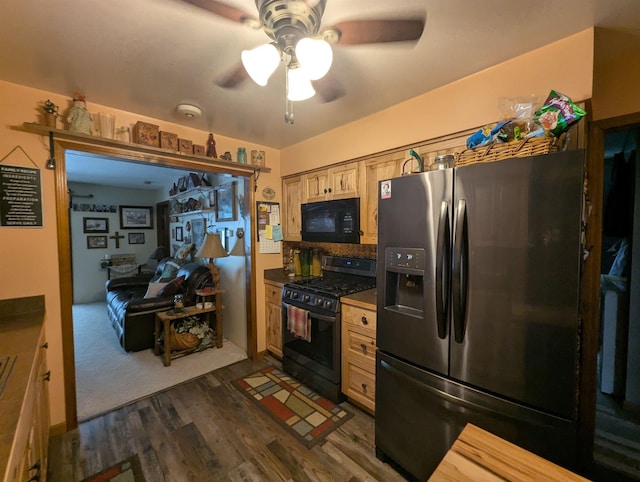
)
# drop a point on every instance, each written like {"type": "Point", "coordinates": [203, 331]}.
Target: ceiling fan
{"type": "Point", "coordinates": [303, 45]}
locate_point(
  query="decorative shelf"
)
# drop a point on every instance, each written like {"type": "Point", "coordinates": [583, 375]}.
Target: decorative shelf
{"type": "Point", "coordinates": [201, 190]}
{"type": "Point", "coordinates": [141, 152]}
{"type": "Point", "coordinates": [191, 213]}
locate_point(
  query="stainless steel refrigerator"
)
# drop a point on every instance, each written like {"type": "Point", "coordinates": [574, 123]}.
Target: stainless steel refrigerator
{"type": "Point", "coordinates": [477, 308]}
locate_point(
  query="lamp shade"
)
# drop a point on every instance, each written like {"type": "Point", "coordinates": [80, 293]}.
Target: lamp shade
{"type": "Point", "coordinates": [212, 247]}
{"type": "Point", "coordinates": [261, 62]}
{"type": "Point", "coordinates": [299, 85]}
{"type": "Point", "coordinates": [238, 248]}
{"type": "Point", "coordinates": [315, 57]}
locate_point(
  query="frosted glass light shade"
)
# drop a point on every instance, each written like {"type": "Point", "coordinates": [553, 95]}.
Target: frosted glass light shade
{"type": "Point", "coordinates": [315, 57]}
{"type": "Point", "coordinates": [300, 87]}
{"type": "Point", "coordinates": [261, 62]}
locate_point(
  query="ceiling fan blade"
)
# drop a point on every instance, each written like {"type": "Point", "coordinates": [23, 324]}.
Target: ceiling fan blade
{"type": "Point", "coordinates": [221, 9]}
{"type": "Point", "coordinates": [356, 32]}
{"type": "Point", "coordinates": [233, 78]}
{"type": "Point", "coordinates": [328, 88]}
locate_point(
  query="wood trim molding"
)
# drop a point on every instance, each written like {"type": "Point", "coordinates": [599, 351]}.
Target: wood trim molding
{"type": "Point", "coordinates": [63, 141]}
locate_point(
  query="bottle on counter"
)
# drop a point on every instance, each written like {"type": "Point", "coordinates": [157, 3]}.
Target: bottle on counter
{"type": "Point", "coordinates": [297, 263]}
{"type": "Point", "coordinates": [316, 266]}
{"type": "Point", "coordinates": [306, 265]}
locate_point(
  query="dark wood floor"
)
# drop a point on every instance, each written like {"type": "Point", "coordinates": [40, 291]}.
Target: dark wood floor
{"type": "Point", "coordinates": [617, 437]}
{"type": "Point", "coordinates": [205, 430]}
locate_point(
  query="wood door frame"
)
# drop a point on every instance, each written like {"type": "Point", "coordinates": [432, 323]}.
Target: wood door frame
{"type": "Point", "coordinates": [64, 246]}
{"type": "Point", "coordinates": [590, 284]}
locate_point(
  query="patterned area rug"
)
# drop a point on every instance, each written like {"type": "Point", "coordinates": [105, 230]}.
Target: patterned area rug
{"type": "Point", "coordinates": [309, 417]}
{"type": "Point", "coordinates": [128, 470]}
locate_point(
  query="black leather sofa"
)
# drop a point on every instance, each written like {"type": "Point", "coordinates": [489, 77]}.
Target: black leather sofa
{"type": "Point", "coordinates": [133, 317]}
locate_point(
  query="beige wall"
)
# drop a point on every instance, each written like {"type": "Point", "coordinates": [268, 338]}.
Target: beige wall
{"type": "Point", "coordinates": [616, 75]}
{"type": "Point", "coordinates": [565, 66]}
{"type": "Point", "coordinates": [29, 264]}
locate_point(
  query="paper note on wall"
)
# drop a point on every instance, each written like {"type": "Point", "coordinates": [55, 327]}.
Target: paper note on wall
{"type": "Point", "coordinates": [277, 233]}
{"type": "Point", "coordinates": [268, 231]}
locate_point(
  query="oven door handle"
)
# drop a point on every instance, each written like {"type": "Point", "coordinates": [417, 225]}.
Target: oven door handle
{"type": "Point", "coordinates": [328, 319]}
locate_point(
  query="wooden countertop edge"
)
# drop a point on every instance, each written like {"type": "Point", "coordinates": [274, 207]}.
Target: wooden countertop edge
{"type": "Point", "coordinates": [480, 455]}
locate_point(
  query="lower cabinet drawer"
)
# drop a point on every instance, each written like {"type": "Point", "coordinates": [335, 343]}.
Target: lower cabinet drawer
{"type": "Point", "coordinates": [362, 347]}
{"type": "Point", "coordinates": [361, 386]}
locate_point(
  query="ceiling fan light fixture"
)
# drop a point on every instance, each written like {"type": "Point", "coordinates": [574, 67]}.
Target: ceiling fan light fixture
{"type": "Point", "coordinates": [315, 57]}
{"type": "Point", "coordinates": [299, 86]}
{"type": "Point", "coordinates": [261, 62]}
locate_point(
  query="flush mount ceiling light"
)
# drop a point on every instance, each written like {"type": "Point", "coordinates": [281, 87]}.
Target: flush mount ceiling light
{"type": "Point", "coordinates": [298, 41]}
{"type": "Point", "coordinates": [189, 111]}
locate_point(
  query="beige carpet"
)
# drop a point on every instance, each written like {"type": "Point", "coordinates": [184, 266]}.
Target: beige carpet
{"type": "Point", "coordinates": [107, 377]}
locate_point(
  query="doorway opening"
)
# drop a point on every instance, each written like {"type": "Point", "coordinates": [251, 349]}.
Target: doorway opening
{"type": "Point", "coordinates": [244, 178]}
{"type": "Point", "coordinates": [617, 422]}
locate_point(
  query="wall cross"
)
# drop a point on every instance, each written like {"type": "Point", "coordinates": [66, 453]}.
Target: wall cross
{"type": "Point", "coordinates": [117, 237]}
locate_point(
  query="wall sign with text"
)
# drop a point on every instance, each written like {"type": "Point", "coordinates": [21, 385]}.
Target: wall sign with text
{"type": "Point", "coordinates": [20, 197]}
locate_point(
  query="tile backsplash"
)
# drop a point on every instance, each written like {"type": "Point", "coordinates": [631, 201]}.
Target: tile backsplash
{"type": "Point", "coordinates": [335, 249]}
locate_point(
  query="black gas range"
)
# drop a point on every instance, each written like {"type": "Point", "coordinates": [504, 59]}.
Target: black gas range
{"type": "Point", "coordinates": [316, 361]}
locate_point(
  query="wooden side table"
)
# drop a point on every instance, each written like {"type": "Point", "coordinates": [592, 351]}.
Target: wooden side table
{"type": "Point", "coordinates": [165, 318]}
{"type": "Point", "coordinates": [204, 296]}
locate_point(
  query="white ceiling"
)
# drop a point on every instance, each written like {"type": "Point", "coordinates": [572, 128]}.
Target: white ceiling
{"type": "Point", "coordinates": [147, 56]}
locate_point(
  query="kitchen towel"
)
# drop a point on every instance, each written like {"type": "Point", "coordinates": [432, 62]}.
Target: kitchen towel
{"type": "Point", "coordinates": [299, 322]}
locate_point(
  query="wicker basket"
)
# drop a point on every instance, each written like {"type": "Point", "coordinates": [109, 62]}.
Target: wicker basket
{"type": "Point", "coordinates": [499, 151]}
{"type": "Point", "coordinates": [183, 341]}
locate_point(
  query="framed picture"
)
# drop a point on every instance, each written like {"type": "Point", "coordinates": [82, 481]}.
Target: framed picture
{"type": "Point", "coordinates": [197, 232]}
{"type": "Point", "coordinates": [96, 242]}
{"type": "Point", "coordinates": [179, 234]}
{"type": "Point", "coordinates": [226, 206]}
{"type": "Point", "coordinates": [95, 225]}
{"type": "Point", "coordinates": [136, 238]}
{"type": "Point", "coordinates": [136, 217]}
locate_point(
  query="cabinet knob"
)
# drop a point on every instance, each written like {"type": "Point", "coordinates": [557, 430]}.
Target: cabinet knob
{"type": "Point", "coordinates": [364, 320]}
{"type": "Point", "coordinates": [364, 348]}
{"type": "Point", "coordinates": [46, 345]}
{"type": "Point", "coordinates": [47, 376]}
{"type": "Point", "coordinates": [329, 190]}
{"type": "Point", "coordinates": [364, 387]}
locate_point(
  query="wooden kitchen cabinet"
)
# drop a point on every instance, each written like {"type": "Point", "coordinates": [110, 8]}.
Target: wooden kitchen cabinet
{"type": "Point", "coordinates": [375, 170]}
{"type": "Point", "coordinates": [359, 352]}
{"type": "Point", "coordinates": [29, 452]}
{"type": "Point", "coordinates": [339, 182]}
{"type": "Point", "coordinates": [291, 217]}
{"type": "Point", "coordinates": [273, 316]}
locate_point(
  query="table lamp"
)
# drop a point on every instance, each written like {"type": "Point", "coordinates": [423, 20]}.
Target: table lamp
{"type": "Point", "coordinates": [238, 248]}
{"type": "Point", "coordinates": [212, 248]}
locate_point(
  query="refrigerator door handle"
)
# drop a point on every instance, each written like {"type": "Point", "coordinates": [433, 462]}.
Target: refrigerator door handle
{"type": "Point", "coordinates": [460, 270]}
{"type": "Point", "coordinates": [443, 268]}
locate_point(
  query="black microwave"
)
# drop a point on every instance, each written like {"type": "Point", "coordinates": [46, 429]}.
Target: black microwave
{"type": "Point", "coordinates": [336, 221]}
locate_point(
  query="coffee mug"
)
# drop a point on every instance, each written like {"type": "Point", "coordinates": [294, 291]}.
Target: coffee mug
{"type": "Point", "coordinates": [199, 306]}
{"type": "Point", "coordinates": [208, 305]}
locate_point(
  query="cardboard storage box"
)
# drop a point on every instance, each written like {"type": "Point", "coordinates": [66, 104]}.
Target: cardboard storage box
{"type": "Point", "coordinates": [169, 140]}
{"type": "Point", "coordinates": [198, 150]}
{"type": "Point", "coordinates": [185, 146]}
{"type": "Point", "coordinates": [146, 134]}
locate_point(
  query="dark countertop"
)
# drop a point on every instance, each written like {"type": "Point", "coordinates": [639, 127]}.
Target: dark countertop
{"type": "Point", "coordinates": [277, 275]}
{"type": "Point", "coordinates": [364, 299]}
{"type": "Point", "coordinates": [19, 335]}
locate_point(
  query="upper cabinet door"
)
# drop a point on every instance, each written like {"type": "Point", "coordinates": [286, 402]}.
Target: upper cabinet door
{"type": "Point", "coordinates": [316, 186]}
{"type": "Point", "coordinates": [291, 213]}
{"type": "Point", "coordinates": [344, 181]}
{"type": "Point", "coordinates": [334, 183]}
{"type": "Point", "coordinates": [374, 171]}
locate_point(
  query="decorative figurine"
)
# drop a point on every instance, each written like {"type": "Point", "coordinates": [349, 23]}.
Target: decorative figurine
{"type": "Point", "coordinates": [211, 147]}
{"type": "Point", "coordinates": [79, 118]}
